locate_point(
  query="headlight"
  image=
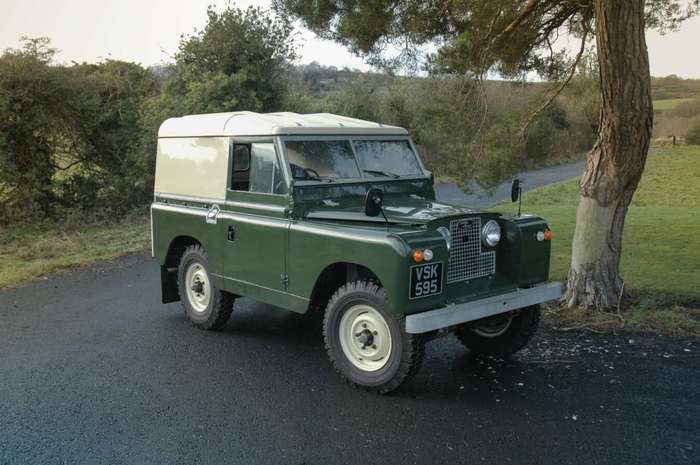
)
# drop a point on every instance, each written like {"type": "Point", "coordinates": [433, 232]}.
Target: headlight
{"type": "Point", "coordinates": [446, 234]}
{"type": "Point", "coordinates": [491, 233]}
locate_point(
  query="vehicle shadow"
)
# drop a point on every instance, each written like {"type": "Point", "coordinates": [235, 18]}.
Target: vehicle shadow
{"type": "Point", "coordinates": [279, 338]}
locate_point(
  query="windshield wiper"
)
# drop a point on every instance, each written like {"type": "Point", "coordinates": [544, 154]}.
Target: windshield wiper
{"type": "Point", "coordinates": [382, 173]}
{"type": "Point", "coordinates": [314, 178]}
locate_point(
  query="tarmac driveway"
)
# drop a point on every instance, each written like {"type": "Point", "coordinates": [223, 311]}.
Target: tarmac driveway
{"type": "Point", "coordinates": [93, 369]}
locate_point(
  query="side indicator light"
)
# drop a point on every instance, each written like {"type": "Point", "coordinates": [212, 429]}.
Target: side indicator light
{"type": "Point", "coordinates": [547, 234]}
{"type": "Point", "coordinates": [417, 255]}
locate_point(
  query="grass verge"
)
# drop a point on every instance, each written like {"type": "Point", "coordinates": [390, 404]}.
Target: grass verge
{"type": "Point", "coordinates": [661, 245]}
{"type": "Point", "coordinates": [30, 252]}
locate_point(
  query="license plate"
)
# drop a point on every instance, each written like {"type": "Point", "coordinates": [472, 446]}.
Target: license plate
{"type": "Point", "coordinates": [426, 280]}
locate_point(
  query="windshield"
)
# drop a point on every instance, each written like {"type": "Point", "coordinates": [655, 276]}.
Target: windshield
{"type": "Point", "coordinates": [316, 160]}
{"type": "Point", "coordinates": [319, 160]}
{"type": "Point", "coordinates": [387, 158]}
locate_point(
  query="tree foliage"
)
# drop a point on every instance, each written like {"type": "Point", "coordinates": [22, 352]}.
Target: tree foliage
{"type": "Point", "coordinates": [472, 36]}
{"type": "Point", "coordinates": [66, 129]}
{"type": "Point", "coordinates": [81, 138]}
{"type": "Point", "coordinates": [251, 48]}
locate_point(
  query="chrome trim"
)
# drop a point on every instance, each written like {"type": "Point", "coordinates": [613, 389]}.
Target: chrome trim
{"type": "Point", "coordinates": [180, 209]}
{"type": "Point", "coordinates": [188, 198]}
{"type": "Point", "coordinates": [228, 203]}
{"type": "Point", "coordinates": [451, 315]}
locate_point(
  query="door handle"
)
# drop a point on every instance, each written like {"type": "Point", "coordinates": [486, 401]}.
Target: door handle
{"type": "Point", "coordinates": [231, 235]}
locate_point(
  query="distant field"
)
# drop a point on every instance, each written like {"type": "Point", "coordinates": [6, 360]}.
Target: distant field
{"type": "Point", "coordinates": [669, 104]}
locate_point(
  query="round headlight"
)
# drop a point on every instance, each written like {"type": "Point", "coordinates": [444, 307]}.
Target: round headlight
{"type": "Point", "coordinates": [491, 233]}
{"type": "Point", "coordinates": [446, 234]}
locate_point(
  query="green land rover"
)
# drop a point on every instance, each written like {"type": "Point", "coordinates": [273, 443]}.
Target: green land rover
{"type": "Point", "coordinates": [323, 213]}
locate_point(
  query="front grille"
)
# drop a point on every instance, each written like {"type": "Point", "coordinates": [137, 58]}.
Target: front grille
{"type": "Point", "coordinates": [467, 261]}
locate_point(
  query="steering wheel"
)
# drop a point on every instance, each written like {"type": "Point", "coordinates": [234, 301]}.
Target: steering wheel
{"type": "Point", "coordinates": [312, 172]}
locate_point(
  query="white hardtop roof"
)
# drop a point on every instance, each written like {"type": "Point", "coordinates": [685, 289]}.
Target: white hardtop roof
{"type": "Point", "coordinates": [248, 123]}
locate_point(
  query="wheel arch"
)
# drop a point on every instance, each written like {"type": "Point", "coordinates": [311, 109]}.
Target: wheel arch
{"type": "Point", "coordinates": [168, 269]}
{"type": "Point", "coordinates": [335, 275]}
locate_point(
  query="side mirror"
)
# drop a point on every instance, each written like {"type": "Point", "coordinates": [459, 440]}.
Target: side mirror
{"type": "Point", "coordinates": [515, 190]}
{"type": "Point", "coordinates": [373, 202]}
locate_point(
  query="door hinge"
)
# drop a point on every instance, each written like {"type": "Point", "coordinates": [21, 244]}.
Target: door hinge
{"type": "Point", "coordinates": [284, 279]}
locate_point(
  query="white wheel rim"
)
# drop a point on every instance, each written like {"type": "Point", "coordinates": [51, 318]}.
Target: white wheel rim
{"type": "Point", "coordinates": [365, 338]}
{"type": "Point", "coordinates": [494, 328]}
{"type": "Point", "coordinates": [198, 287]}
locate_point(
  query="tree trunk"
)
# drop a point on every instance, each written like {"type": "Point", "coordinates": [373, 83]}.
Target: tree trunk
{"type": "Point", "coordinates": [615, 163]}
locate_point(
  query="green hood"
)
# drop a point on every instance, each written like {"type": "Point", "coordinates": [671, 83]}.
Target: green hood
{"type": "Point", "coordinates": [411, 210]}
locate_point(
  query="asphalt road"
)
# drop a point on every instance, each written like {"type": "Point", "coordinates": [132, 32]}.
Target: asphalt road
{"type": "Point", "coordinates": [478, 197]}
{"type": "Point", "coordinates": [93, 369]}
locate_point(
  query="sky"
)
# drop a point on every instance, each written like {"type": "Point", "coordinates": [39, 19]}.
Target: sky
{"type": "Point", "coordinates": [148, 32]}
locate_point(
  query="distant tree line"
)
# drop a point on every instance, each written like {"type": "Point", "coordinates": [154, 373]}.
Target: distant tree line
{"type": "Point", "coordinates": [79, 140]}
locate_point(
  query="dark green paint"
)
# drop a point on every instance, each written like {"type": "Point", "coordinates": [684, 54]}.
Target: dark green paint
{"type": "Point", "coordinates": [283, 243]}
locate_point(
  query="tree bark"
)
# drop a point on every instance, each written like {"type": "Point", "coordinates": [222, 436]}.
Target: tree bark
{"type": "Point", "coordinates": [616, 161]}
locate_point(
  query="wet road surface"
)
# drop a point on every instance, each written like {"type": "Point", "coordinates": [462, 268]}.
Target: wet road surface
{"type": "Point", "coordinates": [93, 369]}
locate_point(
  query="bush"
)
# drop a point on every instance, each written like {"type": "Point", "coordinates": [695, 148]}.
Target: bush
{"type": "Point", "coordinates": [693, 135]}
{"type": "Point", "coordinates": [688, 109]}
{"type": "Point", "coordinates": [80, 139]}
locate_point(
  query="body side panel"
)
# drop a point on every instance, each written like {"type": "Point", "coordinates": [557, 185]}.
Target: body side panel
{"type": "Point", "coordinates": [192, 166]}
{"type": "Point", "coordinates": [175, 219]}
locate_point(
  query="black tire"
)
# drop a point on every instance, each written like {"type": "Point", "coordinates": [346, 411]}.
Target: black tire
{"type": "Point", "coordinates": [407, 350]}
{"type": "Point", "coordinates": [523, 325]}
{"type": "Point", "coordinates": [220, 303]}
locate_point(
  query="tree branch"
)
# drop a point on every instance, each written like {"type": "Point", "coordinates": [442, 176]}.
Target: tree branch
{"type": "Point", "coordinates": [527, 11]}
{"type": "Point", "coordinates": [558, 90]}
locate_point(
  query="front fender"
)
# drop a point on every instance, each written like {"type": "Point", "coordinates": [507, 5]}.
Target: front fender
{"type": "Point", "coordinates": [315, 246]}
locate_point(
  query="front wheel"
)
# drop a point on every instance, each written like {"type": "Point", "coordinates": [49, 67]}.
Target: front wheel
{"type": "Point", "coordinates": [366, 343]}
{"type": "Point", "coordinates": [500, 335]}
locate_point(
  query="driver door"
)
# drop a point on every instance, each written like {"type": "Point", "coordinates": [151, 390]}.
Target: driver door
{"type": "Point", "coordinates": [255, 221]}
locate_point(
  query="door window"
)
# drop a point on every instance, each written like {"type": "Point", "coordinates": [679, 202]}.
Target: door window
{"type": "Point", "coordinates": [256, 168]}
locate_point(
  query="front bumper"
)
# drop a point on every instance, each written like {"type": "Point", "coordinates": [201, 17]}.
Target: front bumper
{"type": "Point", "coordinates": [451, 315]}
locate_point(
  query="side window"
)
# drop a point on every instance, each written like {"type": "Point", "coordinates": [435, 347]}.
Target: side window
{"type": "Point", "coordinates": [241, 167]}
{"type": "Point", "coordinates": [255, 168]}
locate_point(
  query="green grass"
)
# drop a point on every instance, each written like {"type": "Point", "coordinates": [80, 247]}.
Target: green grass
{"type": "Point", "coordinates": [661, 242]}
{"type": "Point", "coordinates": [669, 104]}
{"type": "Point", "coordinates": [33, 251]}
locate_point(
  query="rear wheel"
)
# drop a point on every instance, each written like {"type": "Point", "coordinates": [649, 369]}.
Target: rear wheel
{"type": "Point", "coordinates": [500, 335]}
{"type": "Point", "coordinates": [206, 306]}
{"type": "Point", "coordinates": [366, 343]}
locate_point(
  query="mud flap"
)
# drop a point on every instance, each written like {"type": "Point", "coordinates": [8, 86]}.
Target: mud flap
{"type": "Point", "coordinates": [168, 285]}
